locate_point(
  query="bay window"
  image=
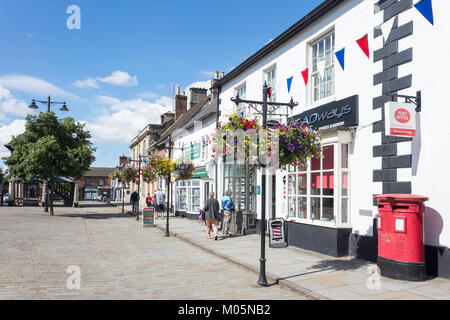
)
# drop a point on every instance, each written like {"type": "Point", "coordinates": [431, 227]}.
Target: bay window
{"type": "Point", "coordinates": [319, 193]}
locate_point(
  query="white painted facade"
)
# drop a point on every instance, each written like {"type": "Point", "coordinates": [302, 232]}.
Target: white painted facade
{"type": "Point", "coordinates": [349, 22]}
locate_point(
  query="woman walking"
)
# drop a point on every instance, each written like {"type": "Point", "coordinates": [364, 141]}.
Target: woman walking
{"type": "Point", "coordinates": [211, 216]}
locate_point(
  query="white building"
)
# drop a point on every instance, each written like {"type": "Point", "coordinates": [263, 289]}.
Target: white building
{"type": "Point", "coordinates": [330, 205]}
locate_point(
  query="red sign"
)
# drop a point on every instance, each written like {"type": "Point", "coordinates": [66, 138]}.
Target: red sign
{"type": "Point", "coordinates": [400, 119]}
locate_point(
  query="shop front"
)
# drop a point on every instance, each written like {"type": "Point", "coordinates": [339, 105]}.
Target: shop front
{"type": "Point", "coordinates": [318, 195]}
{"type": "Point", "coordinates": [190, 195]}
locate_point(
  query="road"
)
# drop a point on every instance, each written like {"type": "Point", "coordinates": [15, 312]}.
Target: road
{"type": "Point", "coordinates": [110, 256]}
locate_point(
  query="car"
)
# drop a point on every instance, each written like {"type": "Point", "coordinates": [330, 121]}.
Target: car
{"type": "Point", "coordinates": [6, 198]}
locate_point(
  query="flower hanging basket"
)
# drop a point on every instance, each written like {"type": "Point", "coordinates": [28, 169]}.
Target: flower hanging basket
{"type": "Point", "coordinates": [161, 166]}
{"type": "Point", "coordinates": [184, 171]}
{"type": "Point", "coordinates": [148, 174]}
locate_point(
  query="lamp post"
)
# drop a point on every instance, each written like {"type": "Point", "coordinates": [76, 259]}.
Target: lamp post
{"type": "Point", "coordinates": [275, 106]}
{"type": "Point", "coordinates": [168, 190]}
{"type": "Point", "coordinates": [34, 107]}
{"type": "Point", "coordinates": [139, 185]}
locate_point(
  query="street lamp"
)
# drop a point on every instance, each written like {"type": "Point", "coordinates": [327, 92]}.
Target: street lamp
{"type": "Point", "coordinates": [275, 106]}
{"type": "Point", "coordinates": [168, 190]}
{"type": "Point", "coordinates": [139, 185]}
{"type": "Point", "coordinates": [48, 103]}
{"type": "Point", "coordinates": [33, 106]}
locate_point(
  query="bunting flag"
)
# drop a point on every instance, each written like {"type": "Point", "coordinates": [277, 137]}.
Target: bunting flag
{"type": "Point", "coordinates": [209, 140]}
{"type": "Point", "coordinates": [242, 114]}
{"type": "Point", "coordinates": [340, 55]}
{"type": "Point", "coordinates": [386, 28]}
{"type": "Point", "coordinates": [289, 83]}
{"type": "Point", "coordinates": [269, 91]}
{"type": "Point", "coordinates": [364, 45]}
{"type": "Point", "coordinates": [249, 108]}
{"type": "Point", "coordinates": [321, 68]}
{"type": "Point", "coordinates": [305, 74]}
{"type": "Point", "coordinates": [425, 7]}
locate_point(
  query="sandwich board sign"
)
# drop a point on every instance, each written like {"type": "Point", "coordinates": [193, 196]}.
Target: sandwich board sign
{"type": "Point", "coordinates": [400, 119]}
{"type": "Point", "coordinates": [148, 217]}
{"type": "Point", "coordinates": [277, 235]}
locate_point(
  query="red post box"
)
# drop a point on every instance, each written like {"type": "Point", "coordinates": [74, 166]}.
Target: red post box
{"type": "Point", "coordinates": [401, 249]}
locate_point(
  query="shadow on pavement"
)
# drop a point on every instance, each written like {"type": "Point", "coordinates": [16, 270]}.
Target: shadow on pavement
{"type": "Point", "coordinates": [95, 216]}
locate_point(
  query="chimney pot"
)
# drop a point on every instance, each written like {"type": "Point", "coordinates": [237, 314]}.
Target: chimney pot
{"type": "Point", "coordinates": [216, 75]}
{"type": "Point", "coordinates": [222, 74]}
{"type": "Point", "coordinates": [178, 90]}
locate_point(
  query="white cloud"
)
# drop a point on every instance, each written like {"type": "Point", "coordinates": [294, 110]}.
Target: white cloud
{"type": "Point", "coordinates": [147, 95]}
{"type": "Point", "coordinates": [89, 82]}
{"type": "Point", "coordinates": [120, 78]}
{"type": "Point", "coordinates": [106, 100]}
{"type": "Point", "coordinates": [125, 119]}
{"type": "Point", "coordinates": [39, 87]}
{"type": "Point", "coordinates": [9, 105]}
{"type": "Point", "coordinates": [6, 132]}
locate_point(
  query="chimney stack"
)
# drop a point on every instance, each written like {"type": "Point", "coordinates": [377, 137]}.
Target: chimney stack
{"type": "Point", "coordinates": [197, 95]}
{"type": "Point", "coordinates": [165, 117]}
{"type": "Point", "coordinates": [180, 104]}
{"type": "Point", "coordinates": [213, 81]}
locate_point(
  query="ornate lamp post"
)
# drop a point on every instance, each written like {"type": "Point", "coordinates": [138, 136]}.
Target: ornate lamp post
{"type": "Point", "coordinates": [275, 106]}
{"type": "Point", "coordinates": [34, 107]}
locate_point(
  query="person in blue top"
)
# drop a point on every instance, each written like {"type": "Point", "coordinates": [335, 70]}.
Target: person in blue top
{"type": "Point", "coordinates": [228, 209]}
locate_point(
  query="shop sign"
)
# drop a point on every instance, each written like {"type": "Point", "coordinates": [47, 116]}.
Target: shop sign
{"type": "Point", "coordinates": [400, 119]}
{"type": "Point", "coordinates": [277, 234]}
{"type": "Point", "coordinates": [148, 217]}
{"type": "Point", "coordinates": [342, 113]}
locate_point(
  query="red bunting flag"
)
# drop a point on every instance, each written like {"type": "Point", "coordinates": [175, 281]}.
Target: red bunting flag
{"type": "Point", "coordinates": [269, 91]}
{"type": "Point", "coordinates": [249, 107]}
{"type": "Point", "coordinates": [305, 74]}
{"type": "Point", "coordinates": [364, 45]}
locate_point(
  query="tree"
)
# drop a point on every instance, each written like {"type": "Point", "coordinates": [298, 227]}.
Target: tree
{"type": "Point", "coordinates": [50, 148]}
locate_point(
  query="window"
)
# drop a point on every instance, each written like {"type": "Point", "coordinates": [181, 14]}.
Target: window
{"type": "Point", "coordinates": [88, 181]}
{"type": "Point", "coordinates": [194, 196]}
{"type": "Point", "coordinates": [181, 196]}
{"type": "Point", "coordinates": [270, 76]}
{"type": "Point", "coordinates": [242, 92]}
{"type": "Point", "coordinates": [319, 193]}
{"type": "Point", "coordinates": [101, 182]}
{"type": "Point", "coordinates": [323, 50]}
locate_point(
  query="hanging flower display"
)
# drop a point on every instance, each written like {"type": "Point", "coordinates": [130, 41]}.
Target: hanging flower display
{"type": "Point", "coordinates": [161, 166]}
{"type": "Point", "coordinates": [116, 174]}
{"type": "Point", "coordinates": [184, 170]}
{"type": "Point", "coordinates": [298, 143]}
{"type": "Point", "coordinates": [129, 174]}
{"type": "Point", "coordinates": [148, 174]}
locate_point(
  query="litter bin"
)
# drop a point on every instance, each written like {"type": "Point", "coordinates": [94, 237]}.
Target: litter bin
{"type": "Point", "coordinates": [401, 249]}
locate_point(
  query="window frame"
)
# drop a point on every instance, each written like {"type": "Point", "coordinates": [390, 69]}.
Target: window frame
{"type": "Point", "coordinates": [337, 197]}
{"type": "Point", "coordinates": [322, 38]}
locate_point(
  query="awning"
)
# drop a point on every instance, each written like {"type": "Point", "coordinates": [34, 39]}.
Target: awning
{"type": "Point", "coordinates": [200, 173]}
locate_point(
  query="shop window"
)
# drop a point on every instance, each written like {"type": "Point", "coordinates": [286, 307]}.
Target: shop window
{"type": "Point", "coordinates": [319, 193]}
{"type": "Point", "coordinates": [323, 50]}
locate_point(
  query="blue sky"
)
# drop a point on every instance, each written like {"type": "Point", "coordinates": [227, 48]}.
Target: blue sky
{"type": "Point", "coordinates": [117, 72]}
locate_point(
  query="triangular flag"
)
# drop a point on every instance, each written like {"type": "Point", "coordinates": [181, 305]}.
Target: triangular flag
{"type": "Point", "coordinates": [364, 45]}
{"type": "Point", "coordinates": [269, 91]}
{"type": "Point", "coordinates": [289, 83]}
{"type": "Point", "coordinates": [305, 74]}
{"type": "Point", "coordinates": [425, 7]}
{"type": "Point", "coordinates": [386, 28]}
{"type": "Point", "coordinates": [321, 68]}
{"type": "Point", "coordinates": [242, 113]}
{"type": "Point", "coordinates": [249, 108]}
{"type": "Point", "coordinates": [340, 55]}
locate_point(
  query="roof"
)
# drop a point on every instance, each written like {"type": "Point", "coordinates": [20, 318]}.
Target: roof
{"type": "Point", "coordinates": [207, 110]}
{"type": "Point", "coordinates": [99, 172]}
{"type": "Point", "coordinates": [155, 129]}
{"type": "Point", "coordinates": [184, 119]}
{"type": "Point", "coordinates": [320, 11]}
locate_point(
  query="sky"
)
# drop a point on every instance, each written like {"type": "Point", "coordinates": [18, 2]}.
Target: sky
{"type": "Point", "coordinates": [117, 68]}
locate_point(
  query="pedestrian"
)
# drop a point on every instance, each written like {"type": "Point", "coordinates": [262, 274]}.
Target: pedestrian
{"type": "Point", "coordinates": [211, 216]}
{"type": "Point", "coordinates": [148, 201]}
{"type": "Point", "coordinates": [134, 198]}
{"type": "Point", "coordinates": [228, 210]}
{"type": "Point", "coordinates": [160, 198]}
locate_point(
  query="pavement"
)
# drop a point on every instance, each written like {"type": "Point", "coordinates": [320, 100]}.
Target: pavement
{"type": "Point", "coordinates": [315, 275]}
{"type": "Point", "coordinates": [96, 252]}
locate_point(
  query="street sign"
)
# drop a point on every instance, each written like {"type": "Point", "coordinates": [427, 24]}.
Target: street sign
{"type": "Point", "coordinates": [148, 217]}
{"type": "Point", "coordinates": [277, 235]}
{"type": "Point", "coordinates": [400, 119]}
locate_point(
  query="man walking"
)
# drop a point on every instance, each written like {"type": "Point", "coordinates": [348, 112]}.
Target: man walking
{"type": "Point", "coordinates": [160, 199]}
{"type": "Point", "coordinates": [228, 209]}
{"type": "Point", "coordinates": [134, 198]}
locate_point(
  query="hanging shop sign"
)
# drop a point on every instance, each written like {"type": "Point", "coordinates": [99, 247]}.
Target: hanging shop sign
{"type": "Point", "coordinates": [148, 217]}
{"type": "Point", "coordinates": [277, 235]}
{"type": "Point", "coordinates": [400, 119]}
{"type": "Point", "coordinates": [342, 113]}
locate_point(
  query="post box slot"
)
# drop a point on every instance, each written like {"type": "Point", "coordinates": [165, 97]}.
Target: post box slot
{"type": "Point", "coordinates": [400, 207]}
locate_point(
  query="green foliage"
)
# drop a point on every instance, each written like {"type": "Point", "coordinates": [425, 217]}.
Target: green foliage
{"type": "Point", "coordinates": [50, 147]}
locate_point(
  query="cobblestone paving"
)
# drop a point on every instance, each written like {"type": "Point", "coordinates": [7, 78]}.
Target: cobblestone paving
{"type": "Point", "coordinates": [118, 259]}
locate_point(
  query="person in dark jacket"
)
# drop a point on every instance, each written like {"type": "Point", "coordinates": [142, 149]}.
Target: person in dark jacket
{"type": "Point", "coordinates": [212, 216]}
{"type": "Point", "coordinates": [134, 201]}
